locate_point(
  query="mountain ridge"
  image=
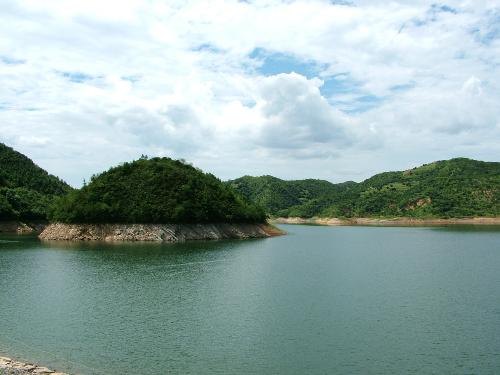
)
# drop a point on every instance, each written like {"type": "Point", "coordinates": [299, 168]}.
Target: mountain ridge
{"type": "Point", "coordinates": [458, 187]}
{"type": "Point", "coordinates": [453, 188]}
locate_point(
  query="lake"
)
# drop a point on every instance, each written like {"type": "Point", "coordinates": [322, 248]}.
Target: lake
{"type": "Point", "coordinates": [321, 300]}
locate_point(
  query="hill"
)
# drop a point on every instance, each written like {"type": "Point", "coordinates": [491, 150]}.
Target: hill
{"type": "Point", "coordinates": [26, 190]}
{"type": "Point", "coordinates": [450, 188]}
{"type": "Point", "coordinates": [289, 198]}
{"type": "Point", "coordinates": [157, 190]}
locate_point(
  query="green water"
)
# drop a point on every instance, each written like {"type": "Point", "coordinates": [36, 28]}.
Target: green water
{"type": "Point", "coordinates": [321, 300]}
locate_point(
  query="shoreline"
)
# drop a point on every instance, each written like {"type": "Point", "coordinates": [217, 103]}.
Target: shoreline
{"type": "Point", "coordinates": [13, 226]}
{"type": "Point", "coordinates": [397, 221]}
{"type": "Point", "coordinates": [9, 366]}
{"type": "Point", "coordinates": [157, 232]}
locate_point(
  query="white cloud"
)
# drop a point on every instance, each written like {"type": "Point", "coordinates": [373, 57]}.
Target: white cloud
{"type": "Point", "coordinates": [295, 115]}
{"type": "Point", "coordinates": [84, 85]}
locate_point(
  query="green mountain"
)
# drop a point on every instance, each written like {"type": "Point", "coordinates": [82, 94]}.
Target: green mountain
{"type": "Point", "coordinates": [450, 188]}
{"type": "Point", "coordinates": [26, 190]}
{"type": "Point", "coordinates": [162, 190]}
{"type": "Point", "coordinates": [158, 190]}
{"type": "Point", "coordinates": [289, 198]}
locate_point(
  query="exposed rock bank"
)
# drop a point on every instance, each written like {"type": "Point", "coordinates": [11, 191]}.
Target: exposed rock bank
{"type": "Point", "coordinates": [156, 232]}
{"type": "Point", "coordinates": [18, 227]}
{"type": "Point", "coordinates": [399, 221]}
{"type": "Point", "coordinates": [9, 366]}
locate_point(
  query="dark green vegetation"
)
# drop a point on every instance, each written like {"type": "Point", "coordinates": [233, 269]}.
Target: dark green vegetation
{"type": "Point", "coordinates": [162, 190]}
{"type": "Point", "coordinates": [26, 190]}
{"type": "Point", "coordinates": [451, 188]}
{"type": "Point", "coordinates": [303, 198]}
{"type": "Point", "coordinates": [158, 190]}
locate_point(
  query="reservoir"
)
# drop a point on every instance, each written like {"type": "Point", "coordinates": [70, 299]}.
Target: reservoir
{"type": "Point", "coordinates": [320, 300]}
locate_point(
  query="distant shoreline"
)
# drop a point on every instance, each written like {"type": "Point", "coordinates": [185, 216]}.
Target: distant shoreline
{"type": "Point", "coordinates": [397, 221]}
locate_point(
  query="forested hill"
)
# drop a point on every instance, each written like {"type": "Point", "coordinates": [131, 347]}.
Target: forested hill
{"type": "Point", "coordinates": [450, 188]}
{"type": "Point", "coordinates": [162, 190]}
{"type": "Point", "coordinates": [17, 170]}
{"type": "Point", "coordinates": [26, 190]}
{"type": "Point", "coordinates": [157, 190]}
{"type": "Point", "coordinates": [289, 198]}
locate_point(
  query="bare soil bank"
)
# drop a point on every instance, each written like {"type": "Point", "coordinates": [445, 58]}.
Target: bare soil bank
{"type": "Point", "coordinates": [399, 221]}
{"type": "Point", "coordinates": [156, 232]}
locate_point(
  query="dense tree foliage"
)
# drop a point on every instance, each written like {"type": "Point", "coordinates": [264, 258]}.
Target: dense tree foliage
{"type": "Point", "coordinates": [26, 190]}
{"type": "Point", "coordinates": [158, 190]}
{"type": "Point", "coordinates": [16, 170]}
{"type": "Point", "coordinates": [451, 188]}
{"type": "Point", "coordinates": [289, 198]}
{"type": "Point", "coordinates": [164, 190]}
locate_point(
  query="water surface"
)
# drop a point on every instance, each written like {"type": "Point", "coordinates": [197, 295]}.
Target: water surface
{"type": "Point", "coordinates": [372, 300]}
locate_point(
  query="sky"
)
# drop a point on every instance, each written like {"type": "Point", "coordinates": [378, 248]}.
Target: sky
{"type": "Point", "coordinates": [336, 90]}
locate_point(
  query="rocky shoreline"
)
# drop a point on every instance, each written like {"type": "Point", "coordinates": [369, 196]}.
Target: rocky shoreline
{"type": "Point", "coordinates": [398, 221]}
{"type": "Point", "coordinates": [156, 232]}
{"type": "Point", "coordinates": [9, 366]}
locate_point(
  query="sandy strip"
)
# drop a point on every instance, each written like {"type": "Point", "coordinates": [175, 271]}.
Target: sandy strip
{"type": "Point", "coordinates": [398, 221]}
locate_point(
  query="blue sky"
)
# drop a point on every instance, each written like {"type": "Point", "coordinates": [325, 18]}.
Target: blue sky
{"type": "Point", "coordinates": [297, 89]}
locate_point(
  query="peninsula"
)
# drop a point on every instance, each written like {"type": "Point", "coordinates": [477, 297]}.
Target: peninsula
{"type": "Point", "coordinates": [158, 199]}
